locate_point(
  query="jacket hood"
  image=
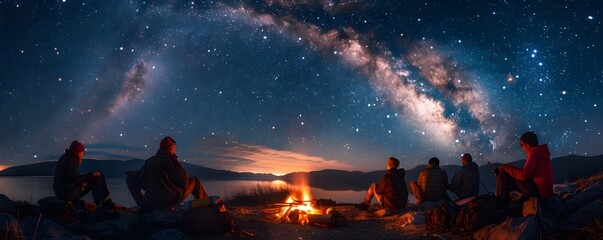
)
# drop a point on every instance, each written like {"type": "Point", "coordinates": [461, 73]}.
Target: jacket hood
{"type": "Point", "coordinates": [398, 172]}
{"type": "Point", "coordinates": [472, 166]}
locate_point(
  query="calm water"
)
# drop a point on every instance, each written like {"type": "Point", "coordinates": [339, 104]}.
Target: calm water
{"type": "Point", "coordinates": [32, 189]}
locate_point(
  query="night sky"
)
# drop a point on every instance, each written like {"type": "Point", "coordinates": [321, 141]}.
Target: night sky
{"type": "Point", "coordinates": [297, 85]}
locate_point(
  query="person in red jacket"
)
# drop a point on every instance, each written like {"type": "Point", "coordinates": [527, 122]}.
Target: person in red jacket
{"type": "Point", "coordinates": [534, 179]}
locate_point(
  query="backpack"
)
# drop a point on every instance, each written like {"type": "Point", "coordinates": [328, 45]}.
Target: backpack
{"type": "Point", "coordinates": [209, 219]}
{"type": "Point", "coordinates": [482, 211]}
{"type": "Point", "coordinates": [442, 215]}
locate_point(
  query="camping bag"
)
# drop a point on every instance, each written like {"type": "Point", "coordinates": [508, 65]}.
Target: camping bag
{"type": "Point", "coordinates": [442, 215]}
{"type": "Point", "coordinates": [482, 211]}
{"type": "Point", "coordinates": [206, 220]}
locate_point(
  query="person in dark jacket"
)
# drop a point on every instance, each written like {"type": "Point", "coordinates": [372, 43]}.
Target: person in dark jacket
{"type": "Point", "coordinates": [465, 182]}
{"type": "Point", "coordinates": [432, 182]}
{"type": "Point", "coordinates": [391, 191]}
{"type": "Point", "coordinates": [534, 179]}
{"type": "Point", "coordinates": [164, 180]}
{"type": "Point", "coordinates": [70, 185]}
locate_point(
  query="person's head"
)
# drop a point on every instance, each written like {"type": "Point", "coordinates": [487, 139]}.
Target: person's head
{"type": "Point", "coordinates": [466, 159]}
{"type": "Point", "coordinates": [434, 161]}
{"type": "Point", "coordinates": [168, 144]}
{"type": "Point", "coordinates": [392, 163]}
{"type": "Point", "coordinates": [528, 140]}
{"type": "Point", "coordinates": [78, 149]}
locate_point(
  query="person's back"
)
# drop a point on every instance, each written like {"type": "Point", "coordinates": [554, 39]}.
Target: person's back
{"type": "Point", "coordinates": [432, 181]}
{"type": "Point", "coordinates": [65, 175]}
{"type": "Point", "coordinates": [395, 193]}
{"type": "Point", "coordinates": [465, 182]}
{"type": "Point", "coordinates": [164, 179]}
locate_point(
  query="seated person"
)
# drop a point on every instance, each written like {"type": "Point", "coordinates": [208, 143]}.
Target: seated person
{"type": "Point", "coordinates": [534, 179]}
{"type": "Point", "coordinates": [390, 192]}
{"type": "Point", "coordinates": [465, 182]}
{"type": "Point", "coordinates": [164, 180]}
{"type": "Point", "coordinates": [432, 182]}
{"type": "Point", "coordinates": [70, 185]}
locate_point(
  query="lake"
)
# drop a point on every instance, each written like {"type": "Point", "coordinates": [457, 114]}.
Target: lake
{"type": "Point", "coordinates": [32, 189]}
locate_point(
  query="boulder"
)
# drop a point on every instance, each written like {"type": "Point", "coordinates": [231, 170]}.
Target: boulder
{"type": "Point", "coordinates": [42, 228]}
{"type": "Point", "coordinates": [164, 217]}
{"type": "Point", "coordinates": [6, 205]}
{"type": "Point", "coordinates": [587, 214]}
{"type": "Point", "coordinates": [586, 196]}
{"type": "Point", "coordinates": [511, 229]}
{"type": "Point", "coordinates": [167, 234]}
{"type": "Point", "coordinates": [9, 227]}
{"type": "Point", "coordinates": [54, 206]}
{"type": "Point", "coordinates": [112, 228]}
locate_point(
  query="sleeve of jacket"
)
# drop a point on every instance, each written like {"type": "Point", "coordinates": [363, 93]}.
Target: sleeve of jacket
{"type": "Point", "coordinates": [380, 188]}
{"type": "Point", "coordinates": [457, 180]}
{"type": "Point", "coordinates": [522, 173]}
{"type": "Point", "coordinates": [75, 174]}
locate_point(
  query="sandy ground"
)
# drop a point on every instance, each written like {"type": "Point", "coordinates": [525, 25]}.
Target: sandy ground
{"type": "Point", "coordinates": [262, 223]}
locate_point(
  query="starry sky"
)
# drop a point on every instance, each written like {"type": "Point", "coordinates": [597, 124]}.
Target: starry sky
{"type": "Point", "coordinates": [277, 86]}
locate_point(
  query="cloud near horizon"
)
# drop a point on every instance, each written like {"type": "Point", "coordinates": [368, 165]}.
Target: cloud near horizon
{"type": "Point", "coordinates": [261, 159]}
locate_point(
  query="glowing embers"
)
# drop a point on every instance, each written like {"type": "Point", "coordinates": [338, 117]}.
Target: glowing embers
{"type": "Point", "coordinates": [308, 211]}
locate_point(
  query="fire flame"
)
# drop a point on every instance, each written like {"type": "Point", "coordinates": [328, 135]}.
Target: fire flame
{"type": "Point", "coordinates": [300, 200]}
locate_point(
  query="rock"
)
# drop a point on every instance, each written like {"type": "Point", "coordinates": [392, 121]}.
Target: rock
{"type": "Point", "coordinates": [42, 228]}
{"type": "Point", "coordinates": [167, 234]}
{"type": "Point", "coordinates": [112, 228]}
{"type": "Point", "coordinates": [54, 206]}
{"type": "Point", "coordinates": [164, 217]}
{"type": "Point", "coordinates": [511, 229]}
{"type": "Point", "coordinates": [9, 227]}
{"type": "Point", "coordinates": [586, 215]}
{"type": "Point", "coordinates": [586, 196]}
{"type": "Point", "coordinates": [6, 205]}
{"type": "Point", "coordinates": [564, 188]}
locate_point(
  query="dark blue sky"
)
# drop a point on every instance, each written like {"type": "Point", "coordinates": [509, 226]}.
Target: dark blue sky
{"type": "Point", "coordinates": [283, 86]}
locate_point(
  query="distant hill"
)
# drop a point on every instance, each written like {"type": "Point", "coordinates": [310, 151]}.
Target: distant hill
{"type": "Point", "coordinates": [116, 168]}
{"type": "Point", "coordinates": [565, 169]}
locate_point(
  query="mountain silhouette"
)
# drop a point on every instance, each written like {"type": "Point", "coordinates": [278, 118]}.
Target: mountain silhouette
{"type": "Point", "coordinates": [565, 169]}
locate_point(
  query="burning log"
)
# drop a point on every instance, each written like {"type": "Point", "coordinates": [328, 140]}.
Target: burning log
{"type": "Point", "coordinates": [332, 219]}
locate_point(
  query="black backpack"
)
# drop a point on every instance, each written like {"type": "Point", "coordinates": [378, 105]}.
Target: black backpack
{"type": "Point", "coordinates": [206, 220]}
{"type": "Point", "coordinates": [483, 210]}
{"type": "Point", "coordinates": [442, 216]}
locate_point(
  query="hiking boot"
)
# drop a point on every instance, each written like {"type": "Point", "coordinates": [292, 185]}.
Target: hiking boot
{"type": "Point", "coordinates": [104, 213]}
{"type": "Point", "coordinates": [362, 206]}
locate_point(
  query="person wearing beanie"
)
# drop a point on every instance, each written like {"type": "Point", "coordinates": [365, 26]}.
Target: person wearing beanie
{"type": "Point", "coordinates": [163, 179]}
{"type": "Point", "coordinates": [71, 185]}
{"type": "Point", "coordinates": [391, 192]}
{"type": "Point", "coordinates": [431, 184]}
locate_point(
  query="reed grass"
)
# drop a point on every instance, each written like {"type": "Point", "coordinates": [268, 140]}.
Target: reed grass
{"type": "Point", "coordinates": [259, 195]}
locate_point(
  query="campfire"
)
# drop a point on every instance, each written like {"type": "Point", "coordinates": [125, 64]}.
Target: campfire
{"type": "Point", "coordinates": [301, 208]}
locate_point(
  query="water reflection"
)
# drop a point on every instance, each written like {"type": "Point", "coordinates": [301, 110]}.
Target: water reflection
{"type": "Point", "coordinates": [32, 189]}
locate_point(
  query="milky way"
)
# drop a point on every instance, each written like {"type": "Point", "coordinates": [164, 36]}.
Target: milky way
{"type": "Point", "coordinates": [279, 86]}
